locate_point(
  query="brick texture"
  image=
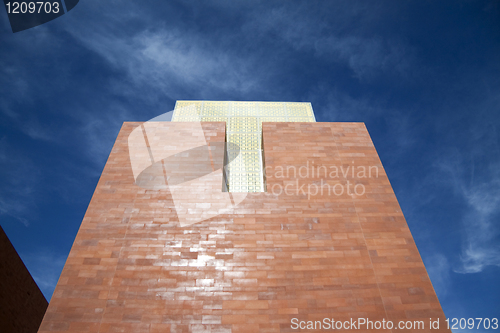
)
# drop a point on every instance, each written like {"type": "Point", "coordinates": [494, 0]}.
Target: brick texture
{"type": "Point", "coordinates": [296, 251]}
{"type": "Point", "coordinates": [22, 304]}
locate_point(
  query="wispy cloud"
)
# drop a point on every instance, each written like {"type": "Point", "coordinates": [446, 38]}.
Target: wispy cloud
{"type": "Point", "coordinates": [367, 56]}
{"type": "Point", "coordinates": [45, 267]}
{"type": "Point", "coordinates": [13, 209]}
{"type": "Point", "coordinates": [471, 168]}
{"type": "Point", "coordinates": [481, 232]}
{"type": "Point", "coordinates": [98, 130]}
{"type": "Point", "coordinates": [337, 105]}
{"type": "Point", "coordinates": [481, 247]}
{"type": "Point", "coordinates": [169, 63]}
{"type": "Point", "coordinates": [439, 270]}
{"type": "Point", "coordinates": [20, 177]}
{"type": "Point", "coordinates": [22, 102]}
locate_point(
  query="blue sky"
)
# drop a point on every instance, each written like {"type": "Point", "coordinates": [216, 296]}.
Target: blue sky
{"type": "Point", "coordinates": [424, 76]}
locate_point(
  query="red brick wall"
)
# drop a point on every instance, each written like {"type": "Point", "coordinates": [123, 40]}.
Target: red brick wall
{"type": "Point", "coordinates": [358, 257]}
{"type": "Point", "coordinates": [133, 268]}
{"type": "Point", "coordinates": [22, 304]}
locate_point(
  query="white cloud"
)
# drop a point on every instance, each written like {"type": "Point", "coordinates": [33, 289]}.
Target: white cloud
{"type": "Point", "coordinates": [480, 247]}
{"type": "Point", "coordinates": [169, 63]}
{"type": "Point", "coordinates": [98, 130]}
{"type": "Point", "coordinates": [338, 104]}
{"type": "Point", "coordinates": [365, 56]}
{"type": "Point", "coordinates": [18, 88]}
{"type": "Point", "coordinates": [438, 269]}
{"type": "Point", "coordinates": [13, 209]}
{"type": "Point", "coordinates": [45, 267]}
{"type": "Point", "coordinates": [20, 178]}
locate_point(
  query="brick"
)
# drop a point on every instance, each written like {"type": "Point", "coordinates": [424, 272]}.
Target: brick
{"type": "Point", "coordinates": [275, 257]}
{"type": "Point", "coordinates": [22, 304]}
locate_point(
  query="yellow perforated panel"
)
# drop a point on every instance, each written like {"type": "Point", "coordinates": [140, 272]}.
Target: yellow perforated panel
{"type": "Point", "coordinates": [246, 141]}
{"type": "Point", "coordinates": [244, 172]}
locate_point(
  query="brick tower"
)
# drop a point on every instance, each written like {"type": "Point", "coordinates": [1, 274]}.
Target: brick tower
{"type": "Point", "coordinates": [22, 304]}
{"type": "Point", "coordinates": [243, 217]}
